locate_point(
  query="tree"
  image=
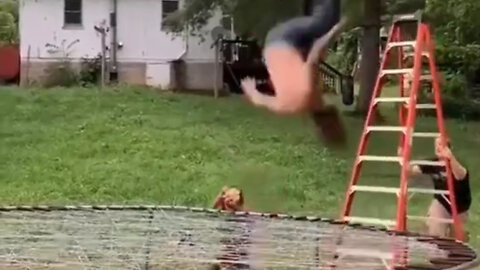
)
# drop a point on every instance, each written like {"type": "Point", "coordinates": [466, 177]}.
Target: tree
{"type": "Point", "coordinates": [370, 60]}
{"type": "Point", "coordinates": [253, 18]}
{"type": "Point", "coordinates": [8, 22]}
{"type": "Point", "coordinates": [455, 26]}
{"type": "Point", "coordinates": [376, 11]}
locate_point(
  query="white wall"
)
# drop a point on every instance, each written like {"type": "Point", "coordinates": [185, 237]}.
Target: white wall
{"type": "Point", "coordinates": [41, 22]}
{"type": "Point", "coordinates": [139, 28]}
{"type": "Point", "coordinates": [202, 52]}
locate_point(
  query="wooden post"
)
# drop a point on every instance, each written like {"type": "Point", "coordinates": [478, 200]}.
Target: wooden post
{"type": "Point", "coordinates": [27, 72]}
{"type": "Point", "coordinates": [216, 75]}
{"type": "Point", "coordinates": [102, 32]}
{"type": "Point", "coordinates": [103, 58]}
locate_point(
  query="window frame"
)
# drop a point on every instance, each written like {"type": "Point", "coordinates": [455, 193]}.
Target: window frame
{"type": "Point", "coordinates": [67, 22]}
{"type": "Point", "coordinates": [166, 13]}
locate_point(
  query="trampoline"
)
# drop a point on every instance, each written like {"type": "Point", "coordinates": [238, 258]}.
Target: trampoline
{"type": "Point", "coordinates": [168, 237]}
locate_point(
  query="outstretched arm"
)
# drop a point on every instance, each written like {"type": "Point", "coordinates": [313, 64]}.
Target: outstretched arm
{"type": "Point", "coordinates": [320, 46]}
{"type": "Point", "coordinates": [413, 170]}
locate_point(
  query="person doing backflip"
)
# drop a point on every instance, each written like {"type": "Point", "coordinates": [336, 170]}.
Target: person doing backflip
{"type": "Point", "coordinates": [293, 51]}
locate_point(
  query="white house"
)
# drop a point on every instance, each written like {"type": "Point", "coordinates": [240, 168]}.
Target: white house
{"type": "Point", "coordinates": [145, 52]}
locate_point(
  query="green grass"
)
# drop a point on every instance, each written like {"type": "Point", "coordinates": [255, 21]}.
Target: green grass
{"type": "Point", "coordinates": [62, 146]}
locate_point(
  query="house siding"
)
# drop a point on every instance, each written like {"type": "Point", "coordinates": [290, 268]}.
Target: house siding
{"type": "Point", "coordinates": [147, 53]}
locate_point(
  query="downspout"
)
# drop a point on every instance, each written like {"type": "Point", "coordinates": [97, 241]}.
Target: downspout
{"type": "Point", "coordinates": [175, 65]}
{"type": "Point", "coordinates": [113, 25]}
{"type": "Point", "coordinates": [185, 47]}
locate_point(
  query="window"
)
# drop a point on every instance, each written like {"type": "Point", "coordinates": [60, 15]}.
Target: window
{"type": "Point", "coordinates": [168, 7]}
{"type": "Point", "coordinates": [73, 12]}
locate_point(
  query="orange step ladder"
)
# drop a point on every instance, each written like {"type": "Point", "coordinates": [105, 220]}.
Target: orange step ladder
{"type": "Point", "coordinates": [423, 47]}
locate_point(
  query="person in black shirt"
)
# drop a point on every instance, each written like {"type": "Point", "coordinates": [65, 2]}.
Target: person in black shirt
{"type": "Point", "coordinates": [440, 207]}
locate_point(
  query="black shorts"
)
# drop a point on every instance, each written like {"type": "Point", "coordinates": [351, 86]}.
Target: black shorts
{"type": "Point", "coordinates": [301, 32]}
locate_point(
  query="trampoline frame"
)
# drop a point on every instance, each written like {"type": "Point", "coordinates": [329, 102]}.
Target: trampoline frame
{"type": "Point", "coordinates": [150, 208]}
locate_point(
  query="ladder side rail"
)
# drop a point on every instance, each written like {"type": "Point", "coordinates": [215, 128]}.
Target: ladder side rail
{"type": "Point", "coordinates": [459, 228]}
{"type": "Point", "coordinates": [402, 109]}
{"type": "Point", "coordinates": [365, 134]}
{"type": "Point", "coordinates": [404, 117]}
{"type": "Point", "coordinates": [407, 143]}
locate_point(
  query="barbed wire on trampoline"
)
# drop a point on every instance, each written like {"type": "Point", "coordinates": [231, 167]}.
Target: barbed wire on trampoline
{"type": "Point", "coordinates": [165, 237]}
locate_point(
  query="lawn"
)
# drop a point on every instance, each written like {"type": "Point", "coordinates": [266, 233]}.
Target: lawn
{"type": "Point", "coordinates": [123, 146]}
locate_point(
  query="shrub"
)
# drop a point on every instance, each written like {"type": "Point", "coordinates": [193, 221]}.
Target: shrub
{"type": "Point", "coordinates": [90, 71]}
{"type": "Point", "coordinates": [455, 107]}
{"type": "Point", "coordinates": [61, 74]}
{"type": "Point", "coordinates": [455, 85]}
{"type": "Point", "coordinates": [456, 59]}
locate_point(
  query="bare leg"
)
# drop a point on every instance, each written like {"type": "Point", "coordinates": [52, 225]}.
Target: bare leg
{"type": "Point", "coordinates": [435, 227]}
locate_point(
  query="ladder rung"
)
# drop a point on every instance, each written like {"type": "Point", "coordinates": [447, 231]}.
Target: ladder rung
{"type": "Point", "coordinates": [396, 71]}
{"type": "Point", "coordinates": [401, 44]}
{"type": "Point", "coordinates": [380, 158]}
{"type": "Point", "coordinates": [426, 77]}
{"type": "Point", "coordinates": [376, 189]}
{"type": "Point", "coordinates": [391, 99]}
{"type": "Point", "coordinates": [399, 159]}
{"type": "Point", "coordinates": [428, 191]}
{"type": "Point", "coordinates": [426, 106]}
{"type": "Point", "coordinates": [443, 220]}
{"type": "Point", "coordinates": [386, 128]}
{"type": "Point", "coordinates": [426, 134]}
{"type": "Point", "coordinates": [384, 222]}
{"type": "Point", "coordinates": [424, 54]}
{"type": "Point", "coordinates": [413, 17]}
{"type": "Point", "coordinates": [395, 190]}
{"type": "Point", "coordinates": [427, 163]}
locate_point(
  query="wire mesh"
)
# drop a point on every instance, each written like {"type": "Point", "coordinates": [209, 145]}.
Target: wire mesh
{"type": "Point", "coordinates": [155, 237]}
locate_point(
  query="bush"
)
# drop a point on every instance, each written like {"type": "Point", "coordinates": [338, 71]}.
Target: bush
{"type": "Point", "coordinates": [90, 72]}
{"type": "Point", "coordinates": [456, 107]}
{"type": "Point", "coordinates": [457, 99]}
{"type": "Point", "coordinates": [61, 74]}
{"type": "Point", "coordinates": [461, 108]}
{"type": "Point", "coordinates": [455, 85]}
{"type": "Point", "coordinates": [456, 59]}
{"type": "Point", "coordinates": [8, 29]}
{"type": "Point", "coordinates": [345, 55]}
